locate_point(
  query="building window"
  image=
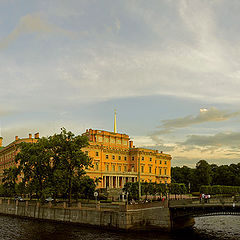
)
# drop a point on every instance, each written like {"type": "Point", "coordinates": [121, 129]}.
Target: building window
{"type": "Point", "coordinates": [113, 157]}
{"type": "Point", "coordinates": [142, 158]}
{"type": "Point", "coordinates": [119, 157]}
{"type": "Point", "coordinates": [125, 168]}
{"type": "Point", "coordinates": [160, 171]}
{"type": "Point", "coordinates": [150, 159]}
{"type": "Point", "coordinates": [106, 156]}
{"type": "Point", "coordinates": [165, 162]}
{"type": "Point", "coordinates": [150, 169]}
{"type": "Point", "coordinates": [142, 169]}
{"type": "Point", "coordinates": [113, 168]}
{"type": "Point", "coordinates": [165, 171]}
{"type": "Point", "coordinates": [107, 168]}
{"type": "Point", "coordinates": [160, 162]}
{"type": "Point", "coordinates": [86, 152]}
{"type": "Point", "coordinates": [125, 158]}
{"type": "Point", "coordinates": [96, 166]}
{"type": "Point", "coordinates": [119, 168]}
{"type": "Point", "coordinates": [132, 158]}
{"type": "Point", "coordinates": [97, 154]}
{"type": "Point", "coordinates": [155, 170]}
{"type": "Point", "coordinates": [132, 168]}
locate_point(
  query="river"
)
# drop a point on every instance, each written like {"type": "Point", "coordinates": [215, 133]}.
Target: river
{"type": "Point", "coordinates": [218, 227]}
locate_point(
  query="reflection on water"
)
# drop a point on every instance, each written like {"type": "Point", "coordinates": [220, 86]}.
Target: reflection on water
{"type": "Point", "coordinates": [218, 227]}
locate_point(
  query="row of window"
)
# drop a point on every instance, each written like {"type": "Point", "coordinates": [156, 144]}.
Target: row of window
{"type": "Point", "coordinates": [6, 156]}
{"type": "Point", "coordinates": [125, 158]}
{"type": "Point", "coordinates": [119, 157]}
{"type": "Point", "coordinates": [150, 170]}
{"type": "Point", "coordinates": [132, 169]}
{"type": "Point", "coordinates": [113, 168]}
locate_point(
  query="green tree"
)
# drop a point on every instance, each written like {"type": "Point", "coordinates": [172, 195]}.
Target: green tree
{"type": "Point", "coordinates": [131, 188]}
{"type": "Point", "coordinates": [35, 166]}
{"type": "Point", "coordinates": [50, 165]}
{"type": "Point", "coordinates": [84, 187]}
{"type": "Point", "coordinates": [9, 180]}
{"type": "Point", "coordinates": [68, 157]}
{"type": "Point", "coordinates": [203, 173]}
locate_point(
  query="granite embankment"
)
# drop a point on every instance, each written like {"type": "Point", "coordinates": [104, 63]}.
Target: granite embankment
{"type": "Point", "coordinates": [123, 217]}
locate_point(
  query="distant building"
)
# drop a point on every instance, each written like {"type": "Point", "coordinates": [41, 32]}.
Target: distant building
{"type": "Point", "coordinates": [115, 159]}
{"type": "Point", "coordinates": [8, 153]}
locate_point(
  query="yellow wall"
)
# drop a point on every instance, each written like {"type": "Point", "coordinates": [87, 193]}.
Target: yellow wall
{"type": "Point", "coordinates": [8, 153]}
{"type": "Point", "coordinates": [115, 159]}
{"type": "Point", "coordinates": [113, 155]}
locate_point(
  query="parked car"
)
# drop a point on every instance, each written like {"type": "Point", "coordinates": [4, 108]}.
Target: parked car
{"type": "Point", "coordinates": [49, 199]}
{"type": "Point", "coordinates": [20, 199]}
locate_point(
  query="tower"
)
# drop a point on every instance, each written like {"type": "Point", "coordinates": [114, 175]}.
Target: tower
{"type": "Point", "coordinates": [115, 122]}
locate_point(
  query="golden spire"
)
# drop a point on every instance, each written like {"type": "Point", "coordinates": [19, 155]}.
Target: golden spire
{"type": "Point", "coordinates": [115, 122]}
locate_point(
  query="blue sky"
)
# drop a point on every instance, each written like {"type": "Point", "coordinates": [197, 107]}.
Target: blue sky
{"type": "Point", "coordinates": [170, 68]}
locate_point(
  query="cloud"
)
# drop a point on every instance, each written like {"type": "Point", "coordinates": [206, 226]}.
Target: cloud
{"type": "Point", "coordinates": [31, 23]}
{"type": "Point", "coordinates": [225, 139]}
{"type": "Point", "coordinates": [191, 161]}
{"type": "Point", "coordinates": [205, 115]}
{"type": "Point", "coordinates": [147, 142]}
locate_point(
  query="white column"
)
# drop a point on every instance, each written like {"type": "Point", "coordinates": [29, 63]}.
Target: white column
{"type": "Point", "coordinates": [104, 181]}
{"type": "Point", "coordinates": [111, 182]}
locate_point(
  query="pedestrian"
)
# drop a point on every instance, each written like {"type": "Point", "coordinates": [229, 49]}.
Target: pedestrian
{"type": "Point", "coordinates": [209, 197]}
{"type": "Point", "coordinates": [203, 197]}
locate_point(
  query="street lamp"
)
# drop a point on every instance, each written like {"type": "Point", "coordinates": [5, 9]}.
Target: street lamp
{"type": "Point", "coordinates": [139, 180]}
{"type": "Point", "coordinates": [166, 189]}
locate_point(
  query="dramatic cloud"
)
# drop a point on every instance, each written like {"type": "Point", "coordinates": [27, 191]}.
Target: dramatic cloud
{"type": "Point", "coordinates": [180, 55]}
{"type": "Point", "coordinates": [229, 139]}
{"type": "Point", "coordinates": [210, 115]}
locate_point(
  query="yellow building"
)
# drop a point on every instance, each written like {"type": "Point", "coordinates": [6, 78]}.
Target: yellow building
{"type": "Point", "coordinates": [8, 153]}
{"type": "Point", "coordinates": [117, 161]}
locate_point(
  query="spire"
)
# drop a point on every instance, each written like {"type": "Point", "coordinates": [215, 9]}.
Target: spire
{"type": "Point", "coordinates": [115, 122]}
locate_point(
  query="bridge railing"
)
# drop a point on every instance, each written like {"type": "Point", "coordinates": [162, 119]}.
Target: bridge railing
{"type": "Point", "coordinates": [196, 201]}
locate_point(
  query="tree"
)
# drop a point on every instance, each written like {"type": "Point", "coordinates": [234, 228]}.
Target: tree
{"type": "Point", "coordinates": [68, 157]}
{"type": "Point", "coordinates": [131, 188]}
{"type": "Point", "coordinates": [50, 165]}
{"type": "Point", "coordinates": [35, 167]}
{"type": "Point", "coordinates": [203, 173]}
{"type": "Point", "coordinates": [10, 180]}
{"type": "Point", "coordinates": [83, 187]}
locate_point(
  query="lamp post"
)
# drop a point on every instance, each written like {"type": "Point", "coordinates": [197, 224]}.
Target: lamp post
{"type": "Point", "coordinates": [139, 180]}
{"type": "Point", "coordinates": [166, 189]}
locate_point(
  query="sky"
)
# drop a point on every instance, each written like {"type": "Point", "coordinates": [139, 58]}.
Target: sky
{"type": "Point", "coordinates": [170, 68]}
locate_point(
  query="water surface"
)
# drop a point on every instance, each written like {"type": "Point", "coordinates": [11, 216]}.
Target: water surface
{"type": "Point", "coordinates": [215, 227]}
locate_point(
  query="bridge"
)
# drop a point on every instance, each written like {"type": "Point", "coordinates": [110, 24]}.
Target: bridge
{"type": "Point", "coordinates": [182, 212]}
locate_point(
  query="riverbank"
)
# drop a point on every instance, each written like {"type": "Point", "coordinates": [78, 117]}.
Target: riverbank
{"type": "Point", "coordinates": [123, 217]}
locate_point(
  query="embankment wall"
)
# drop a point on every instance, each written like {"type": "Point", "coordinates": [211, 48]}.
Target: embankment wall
{"type": "Point", "coordinates": [125, 218]}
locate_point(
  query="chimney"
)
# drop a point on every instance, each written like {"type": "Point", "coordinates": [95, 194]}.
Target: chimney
{"type": "Point", "coordinates": [36, 135]}
{"type": "Point", "coordinates": [30, 135]}
{"type": "Point", "coordinates": [1, 141]}
{"type": "Point", "coordinates": [16, 138]}
{"type": "Point", "coordinates": [131, 144]}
